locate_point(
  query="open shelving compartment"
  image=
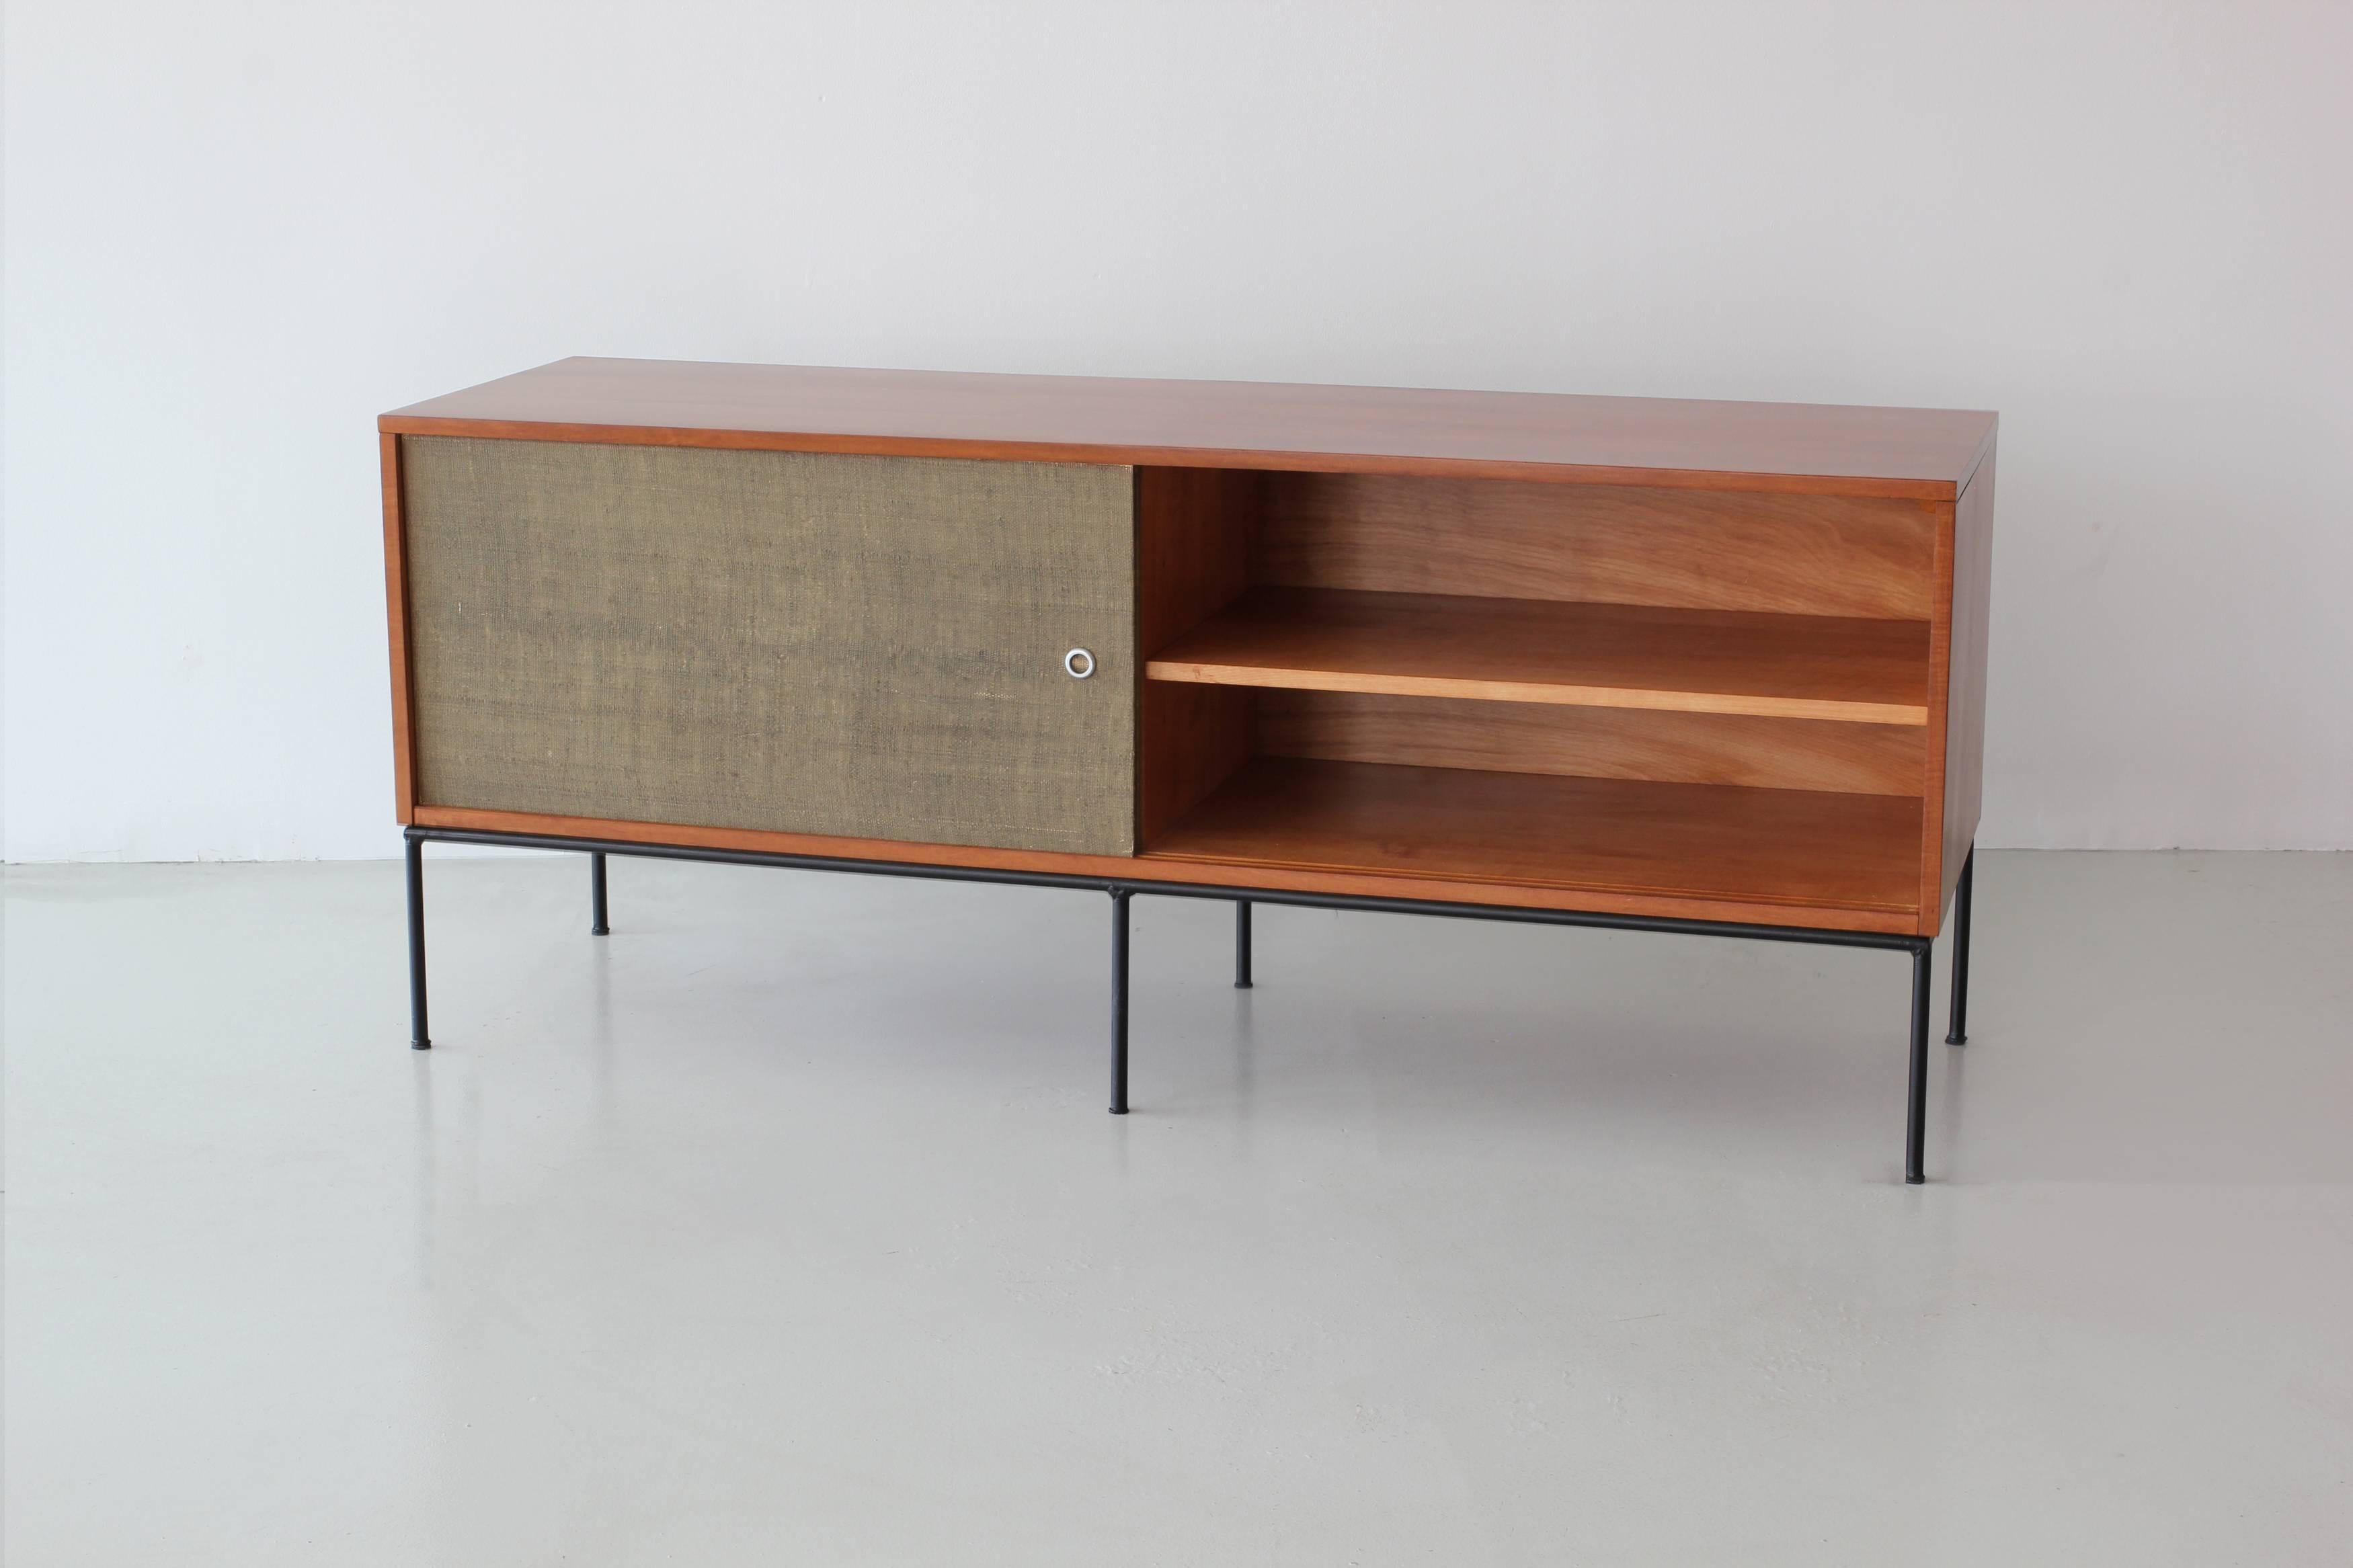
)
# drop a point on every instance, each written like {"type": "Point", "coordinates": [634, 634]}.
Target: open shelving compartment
{"type": "Point", "coordinates": [1705, 702]}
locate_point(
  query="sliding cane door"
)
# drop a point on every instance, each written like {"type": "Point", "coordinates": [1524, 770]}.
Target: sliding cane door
{"type": "Point", "coordinates": [926, 649]}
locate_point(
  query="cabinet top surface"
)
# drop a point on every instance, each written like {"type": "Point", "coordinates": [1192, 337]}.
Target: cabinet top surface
{"type": "Point", "coordinates": [1923, 453]}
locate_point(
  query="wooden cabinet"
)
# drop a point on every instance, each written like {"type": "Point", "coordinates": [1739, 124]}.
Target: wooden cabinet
{"type": "Point", "coordinates": [1598, 659]}
{"type": "Point", "coordinates": [1716, 661]}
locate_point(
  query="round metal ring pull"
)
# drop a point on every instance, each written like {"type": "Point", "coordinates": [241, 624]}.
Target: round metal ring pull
{"type": "Point", "coordinates": [1078, 663]}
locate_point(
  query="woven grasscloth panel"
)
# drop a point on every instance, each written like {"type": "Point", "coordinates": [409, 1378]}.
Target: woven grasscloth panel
{"type": "Point", "coordinates": [870, 647]}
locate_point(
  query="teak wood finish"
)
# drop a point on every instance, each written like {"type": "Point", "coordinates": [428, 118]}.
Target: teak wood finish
{"type": "Point", "coordinates": [1958, 672]}
{"type": "Point", "coordinates": [1779, 609]}
{"type": "Point", "coordinates": [1805, 554]}
{"type": "Point", "coordinates": [1578, 654]}
{"type": "Point", "coordinates": [1193, 534]}
{"type": "Point", "coordinates": [1804, 449]}
{"type": "Point", "coordinates": [395, 589]}
{"type": "Point", "coordinates": [1593, 742]}
{"type": "Point", "coordinates": [1791, 850]}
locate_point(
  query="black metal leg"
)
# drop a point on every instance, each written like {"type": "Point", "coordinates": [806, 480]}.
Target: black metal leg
{"type": "Point", "coordinates": [597, 926]}
{"type": "Point", "coordinates": [418, 1039]}
{"type": "Point", "coordinates": [1241, 944]}
{"type": "Point", "coordinates": [1916, 1110]}
{"type": "Point", "coordinates": [1959, 1033]}
{"type": "Point", "coordinates": [1119, 897]}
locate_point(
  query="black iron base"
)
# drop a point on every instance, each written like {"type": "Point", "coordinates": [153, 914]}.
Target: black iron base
{"type": "Point", "coordinates": [419, 1039]}
{"type": "Point", "coordinates": [1916, 1100]}
{"type": "Point", "coordinates": [1959, 1033]}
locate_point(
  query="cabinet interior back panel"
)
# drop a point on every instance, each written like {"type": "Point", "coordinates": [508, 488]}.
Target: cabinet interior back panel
{"type": "Point", "coordinates": [866, 646]}
{"type": "Point", "coordinates": [1616, 544]}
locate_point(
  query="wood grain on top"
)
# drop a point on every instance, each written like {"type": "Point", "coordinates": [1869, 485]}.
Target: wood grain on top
{"type": "Point", "coordinates": [1922, 454]}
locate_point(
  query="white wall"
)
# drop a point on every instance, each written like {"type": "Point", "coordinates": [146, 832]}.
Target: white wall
{"type": "Point", "coordinates": [235, 234]}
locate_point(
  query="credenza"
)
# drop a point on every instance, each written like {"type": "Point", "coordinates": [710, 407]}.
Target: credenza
{"type": "Point", "coordinates": [1703, 668]}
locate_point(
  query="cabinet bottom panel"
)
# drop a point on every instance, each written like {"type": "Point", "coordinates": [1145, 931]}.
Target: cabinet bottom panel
{"type": "Point", "coordinates": [1241, 873]}
{"type": "Point", "coordinates": [1789, 848]}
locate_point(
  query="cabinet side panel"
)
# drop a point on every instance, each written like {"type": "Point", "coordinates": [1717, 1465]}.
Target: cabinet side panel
{"type": "Point", "coordinates": [1965, 687]}
{"type": "Point", "coordinates": [1194, 529]}
{"type": "Point", "coordinates": [396, 596]}
{"type": "Point", "coordinates": [857, 646]}
{"type": "Point", "coordinates": [1193, 534]}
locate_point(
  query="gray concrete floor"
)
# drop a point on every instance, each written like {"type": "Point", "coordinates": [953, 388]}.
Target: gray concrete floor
{"type": "Point", "coordinates": [786, 1225]}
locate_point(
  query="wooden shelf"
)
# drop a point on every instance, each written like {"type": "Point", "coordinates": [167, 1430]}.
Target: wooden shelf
{"type": "Point", "coordinates": [1535, 651]}
{"type": "Point", "coordinates": [1721, 843]}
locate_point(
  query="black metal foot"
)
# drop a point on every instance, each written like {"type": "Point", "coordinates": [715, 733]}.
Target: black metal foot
{"type": "Point", "coordinates": [1916, 1108]}
{"type": "Point", "coordinates": [597, 926]}
{"type": "Point", "coordinates": [1959, 1032]}
{"type": "Point", "coordinates": [1119, 897]}
{"type": "Point", "coordinates": [1241, 944]}
{"type": "Point", "coordinates": [419, 1039]}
